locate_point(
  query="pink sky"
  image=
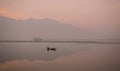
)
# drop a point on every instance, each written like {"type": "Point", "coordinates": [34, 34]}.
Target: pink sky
{"type": "Point", "coordinates": [101, 15]}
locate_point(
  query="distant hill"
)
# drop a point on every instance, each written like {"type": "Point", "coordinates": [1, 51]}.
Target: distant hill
{"type": "Point", "coordinates": [48, 29]}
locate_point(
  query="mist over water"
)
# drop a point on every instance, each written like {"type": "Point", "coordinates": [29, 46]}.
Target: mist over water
{"type": "Point", "coordinates": [68, 56]}
{"type": "Point", "coordinates": [34, 51]}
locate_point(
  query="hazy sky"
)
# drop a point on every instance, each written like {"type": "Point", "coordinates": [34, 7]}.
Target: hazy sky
{"type": "Point", "coordinates": [101, 15]}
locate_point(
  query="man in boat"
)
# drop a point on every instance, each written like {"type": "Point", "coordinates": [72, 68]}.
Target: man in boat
{"type": "Point", "coordinates": [48, 48]}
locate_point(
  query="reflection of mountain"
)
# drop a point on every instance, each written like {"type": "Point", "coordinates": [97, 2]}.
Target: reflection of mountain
{"type": "Point", "coordinates": [43, 28]}
{"type": "Point", "coordinates": [38, 51]}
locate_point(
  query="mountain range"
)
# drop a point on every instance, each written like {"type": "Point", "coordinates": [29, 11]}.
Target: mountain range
{"type": "Point", "coordinates": [47, 29]}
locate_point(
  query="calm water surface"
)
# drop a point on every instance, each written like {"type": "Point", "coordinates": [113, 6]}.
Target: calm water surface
{"type": "Point", "coordinates": [67, 57]}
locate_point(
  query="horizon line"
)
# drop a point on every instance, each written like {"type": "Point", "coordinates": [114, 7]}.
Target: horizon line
{"type": "Point", "coordinates": [61, 41]}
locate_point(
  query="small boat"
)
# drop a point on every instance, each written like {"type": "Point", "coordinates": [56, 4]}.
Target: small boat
{"type": "Point", "coordinates": [48, 49]}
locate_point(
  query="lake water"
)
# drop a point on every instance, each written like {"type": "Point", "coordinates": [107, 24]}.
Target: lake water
{"type": "Point", "coordinates": [67, 57]}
